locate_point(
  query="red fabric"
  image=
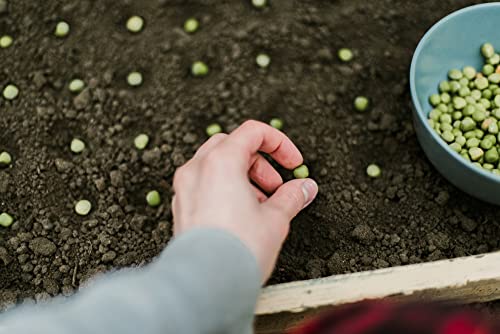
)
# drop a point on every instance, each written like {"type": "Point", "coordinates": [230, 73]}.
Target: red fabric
{"type": "Point", "coordinates": [391, 318]}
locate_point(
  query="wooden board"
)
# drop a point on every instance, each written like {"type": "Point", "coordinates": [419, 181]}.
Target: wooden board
{"type": "Point", "coordinates": [469, 279]}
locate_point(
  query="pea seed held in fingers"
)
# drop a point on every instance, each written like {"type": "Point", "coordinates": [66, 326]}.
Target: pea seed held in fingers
{"type": "Point", "coordinates": [276, 123]}
{"type": "Point", "coordinates": [153, 198]}
{"type": "Point", "coordinates": [141, 141]}
{"type": "Point", "coordinates": [213, 129]}
{"type": "Point", "coordinates": [301, 172]}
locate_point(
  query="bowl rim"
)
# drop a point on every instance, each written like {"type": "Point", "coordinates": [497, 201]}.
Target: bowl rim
{"type": "Point", "coordinates": [418, 107]}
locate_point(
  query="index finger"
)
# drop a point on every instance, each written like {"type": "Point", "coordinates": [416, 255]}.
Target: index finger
{"type": "Point", "coordinates": [253, 136]}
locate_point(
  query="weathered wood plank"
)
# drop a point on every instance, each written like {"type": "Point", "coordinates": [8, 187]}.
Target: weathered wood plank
{"type": "Point", "coordinates": [469, 279]}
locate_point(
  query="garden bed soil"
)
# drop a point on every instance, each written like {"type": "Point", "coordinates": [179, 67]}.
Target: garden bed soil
{"type": "Point", "coordinates": [410, 214]}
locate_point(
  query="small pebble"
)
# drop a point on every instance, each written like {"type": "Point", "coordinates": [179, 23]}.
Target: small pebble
{"type": "Point", "coordinates": [83, 207]}
{"type": "Point", "coordinates": [135, 24]}
{"type": "Point", "coordinates": [62, 29]}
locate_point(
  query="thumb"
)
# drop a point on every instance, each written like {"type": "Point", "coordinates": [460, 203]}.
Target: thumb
{"type": "Point", "coordinates": [292, 197]}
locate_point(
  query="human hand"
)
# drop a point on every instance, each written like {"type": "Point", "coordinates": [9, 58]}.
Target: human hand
{"type": "Point", "coordinates": [213, 189]}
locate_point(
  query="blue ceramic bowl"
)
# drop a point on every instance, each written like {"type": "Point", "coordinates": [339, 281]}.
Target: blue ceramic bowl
{"type": "Point", "coordinates": [453, 42]}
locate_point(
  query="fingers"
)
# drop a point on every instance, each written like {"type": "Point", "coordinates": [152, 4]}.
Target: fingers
{"type": "Point", "coordinates": [261, 197]}
{"type": "Point", "coordinates": [210, 144]}
{"type": "Point", "coordinates": [292, 197]}
{"type": "Point", "coordinates": [264, 174]}
{"type": "Point", "coordinates": [253, 136]}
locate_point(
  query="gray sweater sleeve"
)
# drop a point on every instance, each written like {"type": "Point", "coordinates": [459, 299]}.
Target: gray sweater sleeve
{"type": "Point", "coordinates": [206, 281]}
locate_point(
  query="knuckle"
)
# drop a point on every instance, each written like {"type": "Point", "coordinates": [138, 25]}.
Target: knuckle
{"type": "Point", "coordinates": [218, 137]}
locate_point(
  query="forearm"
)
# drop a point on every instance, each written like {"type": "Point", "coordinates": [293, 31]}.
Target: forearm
{"type": "Point", "coordinates": [205, 282]}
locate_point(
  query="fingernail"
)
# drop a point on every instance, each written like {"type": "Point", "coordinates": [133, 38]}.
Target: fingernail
{"type": "Point", "coordinates": [310, 190]}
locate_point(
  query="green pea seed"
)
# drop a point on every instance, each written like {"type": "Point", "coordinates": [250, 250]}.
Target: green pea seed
{"type": "Point", "coordinates": [213, 129]}
{"type": "Point", "coordinates": [373, 171]}
{"type": "Point", "coordinates": [456, 147]}
{"type": "Point", "coordinates": [476, 94]}
{"type": "Point", "coordinates": [492, 156]}
{"type": "Point", "coordinates": [263, 60]}
{"type": "Point", "coordinates": [487, 50]}
{"type": "Point", "coordinates": [460, 140]}
{"type": "Point", "coordinates": [486, 144]}
{"type": "Point", "coordinates": [259, 3]}
{"type": "Point", "coordinates": [77, 146]}
{"type": "Point", "coordinates": [487, 93]}
{"type": "Point", "coordinates": [488, 69]}
{"type": "Point", "coordinates": [153, 198]}
{"type": "Point", "coordinates": [482, 83]}
{"type": "Point", "coordinates": [5, 41]}
{"type": "Point", "coordinates": [445, 98]}
{"type": "Point", "coordinates": [497, 101]}
{"type": "Point", "coordinates": [276, 123]}
{"type": "Point", "coordinates": [476, 153]}
{"type": "Point", "coordinates": [62, 29]}
{"type": "Point", "coordinates": [448, 136]}
{"type": "Point", "coordinates": [301, 172]}
{"type": "Point", "coordinates": [83, 207]}
{"type": "Point", "coordinates": [488, 167]}
{"type": "Point", "coordinates": [135, 24]}
{"type": "Point", "coordinates": [361, 103]}
{"type": "Point", "coordinates": [10, 92]}
{"type": "Point", "coordinates": [469, 72]}
{"type": "Point", "coordinates": [76, 85]}
{"type": "Point", "coordinates": [6, 220]}
{"type": "Point", "coordinates": [141, 141]}
{"type": "Point", "coordinates": [5, 159]}
{"type": "Point", "coordinates": [444, 87]}
{"type": "Point", "coordinates": [435, 99]}
{"type": "Point", "coordinates": [199, 69]}
{"type": "Point", "coordinates": [494, 78]}
{"type": "Point", "coordinates": [472, 142]}
{"type": "Point", "coordinates": [478, 115]}
{"type": "Point", "coordinates": [494, 60]}
{"type": "Point", "coordinates": [454, 86]}
{"type": "Point", "coordinates": [468, 124]}
{"type": "Point", "coordinates": [134, 79]}
{"type": "Point", "coordinates": [455, 74]}
{"type": "Point", "coordinates": [345, 55]}
{"type": "Point", "coordinates": [459, 102]}
{"type": "Point", "coordinates": [445, 118]}
{"type": "Point", "coordinates": [191, 25]}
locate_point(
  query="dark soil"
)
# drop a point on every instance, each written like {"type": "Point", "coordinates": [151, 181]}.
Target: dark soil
{"type": "Point", "coordinates": [410, 215]}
